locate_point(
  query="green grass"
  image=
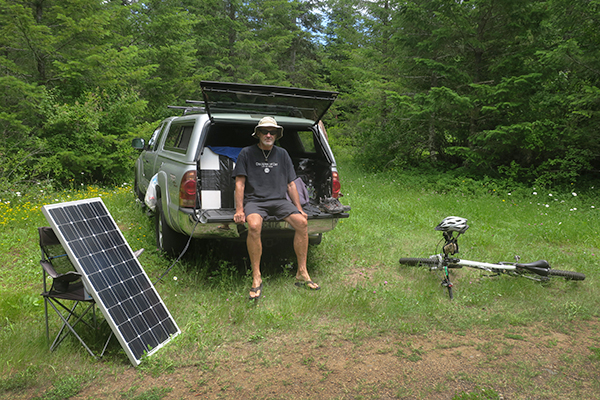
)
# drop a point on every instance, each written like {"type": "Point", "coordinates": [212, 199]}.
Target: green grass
{"type": "Point", "coordinates": [365, 294]}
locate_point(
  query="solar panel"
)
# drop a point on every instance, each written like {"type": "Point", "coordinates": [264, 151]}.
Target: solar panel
{"type": "Point", "coordinates": [113, 276]}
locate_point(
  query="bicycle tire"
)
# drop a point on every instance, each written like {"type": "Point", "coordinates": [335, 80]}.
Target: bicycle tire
{"type": "Point", "coordinates": [415, 262]}
{"type": "Point", "coordinates": [569, 275]}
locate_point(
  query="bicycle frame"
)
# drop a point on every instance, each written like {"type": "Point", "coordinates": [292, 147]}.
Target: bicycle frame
{"type": "Point", "coordinates": [539, 270]}
{"type": "Point", "coordinates": [450, 248]}
{"type": "Point", "coordinates": [540, 267]}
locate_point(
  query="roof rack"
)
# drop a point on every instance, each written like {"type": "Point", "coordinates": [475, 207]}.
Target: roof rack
{"type": "Point", "coordinates": [190, 109]}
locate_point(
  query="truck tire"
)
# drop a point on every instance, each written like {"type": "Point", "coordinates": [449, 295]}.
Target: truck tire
{"type": "Point", "coordinates": [315, 240]}
{"type": "Point", "coordinates": [167, 240]}
{"type": "Point", "coordinates": [138, 193]}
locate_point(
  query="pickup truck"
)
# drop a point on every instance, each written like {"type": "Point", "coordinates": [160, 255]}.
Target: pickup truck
{"type": "Point", "coordinates": [189, 159]}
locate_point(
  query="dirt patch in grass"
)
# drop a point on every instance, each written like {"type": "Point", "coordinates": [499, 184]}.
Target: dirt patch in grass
{"type": "Point", "coordinates": [528, 362]}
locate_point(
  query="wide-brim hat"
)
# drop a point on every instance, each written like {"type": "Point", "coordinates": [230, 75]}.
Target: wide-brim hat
{"type": "Point", "coordinates": [269, 122]}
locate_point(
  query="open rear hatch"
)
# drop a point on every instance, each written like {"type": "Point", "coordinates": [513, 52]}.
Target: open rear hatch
{"type": "Point", "coordinates": [266, 100]}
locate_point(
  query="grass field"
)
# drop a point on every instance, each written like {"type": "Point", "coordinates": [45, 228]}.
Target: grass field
{"type": "Point", "coordinates": [366, 295]}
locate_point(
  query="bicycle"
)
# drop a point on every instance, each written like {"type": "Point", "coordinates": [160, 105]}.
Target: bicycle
{"type": "Point", "coordinates": [452, 228]}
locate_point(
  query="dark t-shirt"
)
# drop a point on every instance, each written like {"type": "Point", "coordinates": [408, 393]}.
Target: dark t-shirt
{"type": "Point", "coordinates": [265, 180]}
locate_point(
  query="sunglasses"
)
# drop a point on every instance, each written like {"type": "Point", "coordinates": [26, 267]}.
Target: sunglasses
{"type": "Point", "coordinates": [264, 132]}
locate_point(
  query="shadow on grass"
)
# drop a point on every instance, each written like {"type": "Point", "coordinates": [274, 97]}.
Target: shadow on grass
{"type": "Point", "coordinates": [222, 258]}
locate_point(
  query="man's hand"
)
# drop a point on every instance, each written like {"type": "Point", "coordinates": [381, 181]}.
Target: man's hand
{"type": "Point", "coordinates": [295, 197]}
{"type": "Point", "coordinates": [303, 213]}
{"type": "Point", "coordinates": [239, 217]}
{"type": "Point", "coordinates": [240, 185]}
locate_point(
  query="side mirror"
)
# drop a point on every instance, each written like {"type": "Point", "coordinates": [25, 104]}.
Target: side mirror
{"type": "Point", "coordinates": [138, 144]}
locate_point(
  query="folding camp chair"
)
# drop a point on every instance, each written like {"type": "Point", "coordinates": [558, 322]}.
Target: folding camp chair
{"type": "Point", "coordinates": [66, 288]}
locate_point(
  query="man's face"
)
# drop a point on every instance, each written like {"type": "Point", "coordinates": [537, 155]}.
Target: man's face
{"type": "Point", "coordinates": [267, 136]}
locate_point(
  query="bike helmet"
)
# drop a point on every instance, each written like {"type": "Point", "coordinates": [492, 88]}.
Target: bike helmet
{"type": "Point", "coordinates": [453, 224]}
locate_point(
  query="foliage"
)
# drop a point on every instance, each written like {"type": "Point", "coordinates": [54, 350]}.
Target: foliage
{"type": "Point", "coordinates": [110, 66]}
{"type": "Point", "coordinates": [501, 88]}
{"type": "Point", "coordinates": [504, 88]}
{"type": "Point", "coordinates": [19, 145]}
{"type": "Point", "coordinates": [85, 140]}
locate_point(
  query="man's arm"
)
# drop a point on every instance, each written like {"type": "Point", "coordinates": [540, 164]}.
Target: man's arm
{"type": "Point", "coordinates": [240, 185]}
{"type": "Point", "coordinates": [293, 193]}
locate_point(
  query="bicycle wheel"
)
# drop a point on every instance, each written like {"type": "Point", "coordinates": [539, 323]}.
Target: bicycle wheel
{"type": "Point", "coordinates": [570, 275]}
{"type": "Point", "coordinates": [415, 262]}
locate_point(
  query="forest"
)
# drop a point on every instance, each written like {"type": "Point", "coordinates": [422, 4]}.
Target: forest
{"type": "Point", "coordinates": [506, 89]}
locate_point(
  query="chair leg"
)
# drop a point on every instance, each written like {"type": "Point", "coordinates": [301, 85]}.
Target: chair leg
{"type": "Point", "coordinates": [59, 337]}
{"type": "Point", "coordinates": [72, 312]}
{"type": "Point", "coordinates": [66, 323]}
{"type": "Point", "coordinates": [106, 344]}
{"type": "Point", "coordinates": [46, 314]}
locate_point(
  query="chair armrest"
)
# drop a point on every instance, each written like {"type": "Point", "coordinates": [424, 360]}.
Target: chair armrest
{"type": "Point", "coordinates": [66, 277]}
{"type": "Point", "coordinates": [49, 269]}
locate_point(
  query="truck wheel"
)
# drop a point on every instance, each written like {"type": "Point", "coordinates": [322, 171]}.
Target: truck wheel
{"type": "Point", "coordinates": [167, 240]}
{"type": "Point", "coordinates": [141, 196]}
{"type": "Point", "coordinates": [316, 239]}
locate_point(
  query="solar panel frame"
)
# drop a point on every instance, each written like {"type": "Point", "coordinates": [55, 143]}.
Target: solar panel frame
{"type": "Point", "coordinates": [113, 276]}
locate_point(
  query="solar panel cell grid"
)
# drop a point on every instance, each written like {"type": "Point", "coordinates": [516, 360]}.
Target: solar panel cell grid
{"type": "Point", "coordinates": [116, 279]}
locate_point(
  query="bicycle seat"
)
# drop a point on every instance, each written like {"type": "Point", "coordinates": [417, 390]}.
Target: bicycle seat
{"type": "Point", "coordinates": [540, 267]}
{"type": "Point", "coordinates": [535, 264]}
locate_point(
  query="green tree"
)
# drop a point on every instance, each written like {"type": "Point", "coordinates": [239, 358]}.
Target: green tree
{"type": "Point", "coordinates": [109, 59]}
{"type": "Point", "coordinates": [261, 41]}
{"type": "Point", "coordinates": [79, 150]}
{"type": "Point", "coordinates": [19, 144]}
{"type": "Point", "coordinates": [502, 88]}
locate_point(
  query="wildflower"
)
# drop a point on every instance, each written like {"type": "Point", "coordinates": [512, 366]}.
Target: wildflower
{"type": "Point", "coordinates": [550, 194]}
{"type": "Point", "coordinates": [174, 278]}
{"type": "Point", "coordinates": [593, 207]}
{"type": "Point", "coordinates": [535, 193]}
{"type": "Point", "coordinates": [547, 205]}
{"type": "Point", "coordinates": [574, 194]}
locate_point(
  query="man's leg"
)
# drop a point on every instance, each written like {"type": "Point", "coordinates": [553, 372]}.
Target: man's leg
{"type": "Point", "coordinates": [254, 244]}
{"type": "Point", "coordinates": [300, 225]}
